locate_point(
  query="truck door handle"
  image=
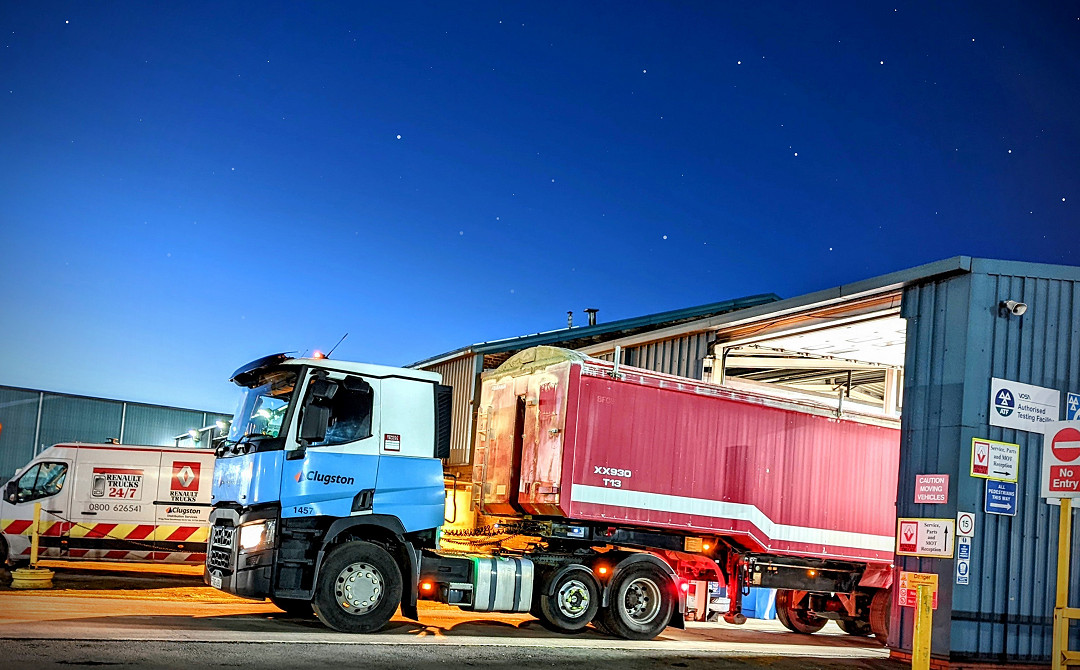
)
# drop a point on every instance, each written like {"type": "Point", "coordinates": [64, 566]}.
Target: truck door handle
{"type": "Point", "coordinates": [54, 511]}
{"type": "Point", "coordinates": [89, 513]}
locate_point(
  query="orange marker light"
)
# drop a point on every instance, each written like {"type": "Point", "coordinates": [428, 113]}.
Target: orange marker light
{"type": "Point", "coordinates": [812, 573]}
{"type": "Point", "coordinates": [425, 586]}
{"type": "Point", "coordinates": [602, 570]}
{"type": "Point", "coordinates": [706, 546]}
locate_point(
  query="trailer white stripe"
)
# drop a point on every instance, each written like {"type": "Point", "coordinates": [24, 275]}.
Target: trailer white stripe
{"type": "Point", "coordinates": [599, 495]}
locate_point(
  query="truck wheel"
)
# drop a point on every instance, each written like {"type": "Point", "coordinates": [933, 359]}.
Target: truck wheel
{"type": "Point", "coordinates": [641, 603]}
{"type": "Point", "coordinates": [880, 610]}
{"type": "Point", "coordinates": [796, 620]}
{"type": "Point", "coordinates": [574, 603]}
{"type": "Point", "coordinates": [300, 609]}
{"type": "Point", "coordinates": [860, 627]}
{"type": "Point", "coordinates": [359, 588]}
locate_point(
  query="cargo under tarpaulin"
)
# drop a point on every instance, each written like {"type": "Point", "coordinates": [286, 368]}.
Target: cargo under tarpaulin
{"type": "Point", "coordinates": [560, 434]}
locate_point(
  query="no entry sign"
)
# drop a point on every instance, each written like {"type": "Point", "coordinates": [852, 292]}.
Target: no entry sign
{"type": "Point", "coordinates": [1061, 460]}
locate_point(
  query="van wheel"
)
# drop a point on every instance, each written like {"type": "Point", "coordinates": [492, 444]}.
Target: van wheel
{"type": "Point", "coordinates": [641, 603]}
{"type": "Point", "coordinates": [3, 552]}
{"type": "Point", "coordinates": [293, 607]}
{"type": "Point", "coordinates": [359, 588]}
{"type": "Point", "coordinates": [573, 604]}
{"type": "Point", "coordinates": [796, 620]}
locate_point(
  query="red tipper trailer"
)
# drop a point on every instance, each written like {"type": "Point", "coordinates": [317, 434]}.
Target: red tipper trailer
{"type": "Point", "coordinates": [780, 493]}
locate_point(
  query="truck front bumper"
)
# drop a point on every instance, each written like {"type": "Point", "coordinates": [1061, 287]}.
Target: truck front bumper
{"type": "Point", "coordinates": [232, 568]}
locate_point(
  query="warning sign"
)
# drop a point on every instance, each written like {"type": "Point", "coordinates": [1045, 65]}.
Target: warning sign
{"type": "Point", "coordinates": [925, 537]}
{"type": "Point", "coordinates": [909, 584]}
{"type": "Point", "coordinates": [184, 486]}
{"type": "Point", "coordinates": [995, 460]}
{"type": "Point", "coordinates": [932, 489]}
{"type": "Point", "coordinates": [1061, 460]}
{"type": "Point", "coordinates": [117, 483]}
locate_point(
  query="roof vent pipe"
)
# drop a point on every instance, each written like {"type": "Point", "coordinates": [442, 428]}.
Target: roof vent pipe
{"type": "Point", "coordinates": [570, 319]}
{"type": "Point", "coordinates": [591, 311]}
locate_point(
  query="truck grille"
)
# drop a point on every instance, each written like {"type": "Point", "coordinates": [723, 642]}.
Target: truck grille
{"type": "Point", "coordinates": [220, 551]}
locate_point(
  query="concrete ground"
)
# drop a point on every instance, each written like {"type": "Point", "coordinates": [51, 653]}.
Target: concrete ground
{"type": "Point", "coordinates": [104, 614]}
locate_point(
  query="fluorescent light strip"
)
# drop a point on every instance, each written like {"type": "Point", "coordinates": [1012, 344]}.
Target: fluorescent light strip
{"type": "Point", "coordinates": [599, 495]}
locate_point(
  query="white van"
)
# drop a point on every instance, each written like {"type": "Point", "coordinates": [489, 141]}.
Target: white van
{"type": "Point", "coordinates": [110, 502]}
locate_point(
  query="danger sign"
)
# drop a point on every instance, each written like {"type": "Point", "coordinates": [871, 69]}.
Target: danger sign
{"type": "Point", "coordinates": [909, 584]}
{"type": "Point", "coordinates": [1061, 460]}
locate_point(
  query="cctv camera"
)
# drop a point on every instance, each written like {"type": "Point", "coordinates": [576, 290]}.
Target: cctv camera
{"type": "Point", "coordinates": [1013, 307]}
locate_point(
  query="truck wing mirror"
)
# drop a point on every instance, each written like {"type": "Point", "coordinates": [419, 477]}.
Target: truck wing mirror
{"type": "Point", "coordinates": [314, 423]}
{"type": "Point", "coordinates": [10, 491]}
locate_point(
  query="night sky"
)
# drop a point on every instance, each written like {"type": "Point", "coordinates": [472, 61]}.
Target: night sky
{"type": "Point", "coordinates": [187, 186]}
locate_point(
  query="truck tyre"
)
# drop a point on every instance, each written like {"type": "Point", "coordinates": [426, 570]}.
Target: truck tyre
{"type": "Point", "coordinates": [359, 588]}
{"type": "Point", "coordinates": [860, 627]}
{"type": "Point", "coordinates": [641, 603]}
{"type": "Point", "coordinates": [574, 602]}
{"type": "Point", "coordinates": [880, 610]}
{"type": "Point", "coordinates": [796, 620]}
{"type": "Point", "coordinates": [293, 607]}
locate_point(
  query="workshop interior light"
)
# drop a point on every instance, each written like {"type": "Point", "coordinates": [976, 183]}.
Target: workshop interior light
{"type": "Point", "coordinates": [1007, 307]}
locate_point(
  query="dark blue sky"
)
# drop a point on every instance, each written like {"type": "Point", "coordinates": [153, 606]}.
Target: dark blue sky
{"type": "Point", "coordinates": [187, 186]}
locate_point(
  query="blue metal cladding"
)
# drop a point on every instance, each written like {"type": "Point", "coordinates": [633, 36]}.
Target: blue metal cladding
{"type": "Point", "coordinates": [76, 419]}
{"type": "Point", "coordinates": [18, 419]}
{"type": "Point", "coordinates": [146, 424]}
{"type": "Point", "coordinates": [957, 339]}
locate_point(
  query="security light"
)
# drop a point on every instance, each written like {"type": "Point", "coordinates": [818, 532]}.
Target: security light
{"type": "Point", "coordinates": [1008, 307]}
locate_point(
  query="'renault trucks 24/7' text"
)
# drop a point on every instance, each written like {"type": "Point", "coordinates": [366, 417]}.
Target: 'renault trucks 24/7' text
{"type": "Point", "coordinates": [602, 490]}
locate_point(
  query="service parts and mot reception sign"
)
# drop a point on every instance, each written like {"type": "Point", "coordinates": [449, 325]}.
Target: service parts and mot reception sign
{"type": "Point", "coordinates": [1022, 406]}
{"type": "Point", "coordinates": [1061, 460]}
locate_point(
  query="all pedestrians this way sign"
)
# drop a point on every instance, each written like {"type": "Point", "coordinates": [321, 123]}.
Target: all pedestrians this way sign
{"type": "Point", "coordinates": [1061, 460]}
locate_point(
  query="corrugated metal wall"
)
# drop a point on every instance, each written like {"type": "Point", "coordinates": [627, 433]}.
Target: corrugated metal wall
{"type": "Point", "coordinates": [957, 341]}
{"type": "Point", "coordinates": [146, 424]}
{"type": "Point", "coordinates": [462, 374]}
{"type": "Point", "coordinates": [18, 421]}
{"type": "Point", "coordinates": [680, 356]}
{"type": "Point", "coordinates": [33, 420]}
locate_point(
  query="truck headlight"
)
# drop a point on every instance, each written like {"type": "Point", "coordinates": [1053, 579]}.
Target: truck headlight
{"type": "Point", "coordinates": [256, 534]}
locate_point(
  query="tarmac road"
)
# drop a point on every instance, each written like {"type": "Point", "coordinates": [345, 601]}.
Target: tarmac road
{"type": "Point", "coordinates": [105, 617]}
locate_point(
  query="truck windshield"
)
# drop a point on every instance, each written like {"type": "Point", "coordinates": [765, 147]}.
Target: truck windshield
{"type": "Point", "coordinates": [261, 410]}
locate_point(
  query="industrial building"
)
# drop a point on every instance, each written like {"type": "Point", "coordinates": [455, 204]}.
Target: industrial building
{"type": "Point", "coordinates": [922, 348]}
{"type": "Point", "coordinates": [32, 420]}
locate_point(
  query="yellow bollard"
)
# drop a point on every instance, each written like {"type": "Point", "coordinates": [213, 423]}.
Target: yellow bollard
{"type": "Point", "coordinates": [1060, 657]}
{"type": "Point", "coordinates": [34, 535]}
{"type": "Point", "coordinates": [33, 577]}
{"type": "Point", "coordinates": [924, 621]}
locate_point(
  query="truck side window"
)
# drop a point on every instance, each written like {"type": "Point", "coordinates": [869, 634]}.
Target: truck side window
{"type": "Point", "coordinates": [41, 481]}
{"type": "Point", "coordinates": [350, 413]}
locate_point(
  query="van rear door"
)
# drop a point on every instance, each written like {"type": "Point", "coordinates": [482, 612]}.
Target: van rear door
{"type": "Point", "coordinates": [182, 506]}
{"type": "Point", "coordinates": [113, 503]}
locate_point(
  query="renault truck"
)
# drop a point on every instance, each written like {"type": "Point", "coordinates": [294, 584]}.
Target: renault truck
{"type": "Point", "coordinates": [601, 491]}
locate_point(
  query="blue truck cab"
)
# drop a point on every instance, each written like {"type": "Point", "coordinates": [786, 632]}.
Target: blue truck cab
{"type": "Point", "coordinates": [329, 487]}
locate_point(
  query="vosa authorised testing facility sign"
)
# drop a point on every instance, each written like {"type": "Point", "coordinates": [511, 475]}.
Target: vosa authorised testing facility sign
{"type": "Point", "coordinates": [1022, 406]}
{"type": "Point", "coordinates": [1061, 460]}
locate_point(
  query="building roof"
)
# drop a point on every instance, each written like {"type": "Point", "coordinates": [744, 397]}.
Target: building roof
{"type": "Point", "coordinates": [581, 336]}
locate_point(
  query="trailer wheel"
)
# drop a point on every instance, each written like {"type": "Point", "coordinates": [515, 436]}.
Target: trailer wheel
{"type": "Point", "coordinates": [860, 627]}
{"type": "Point", "coordinates": [293, 607]}
{"type": "Point", "coordinates": [359, 588]}
{"type": "Point", "coordinates": [880, 610]}
{"type": "Point", "coordinates": [574, 602]}
{"type": "Point", "coordinates": [796, 620]}
{"type": "Point", "coordinates": [642, 601]}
